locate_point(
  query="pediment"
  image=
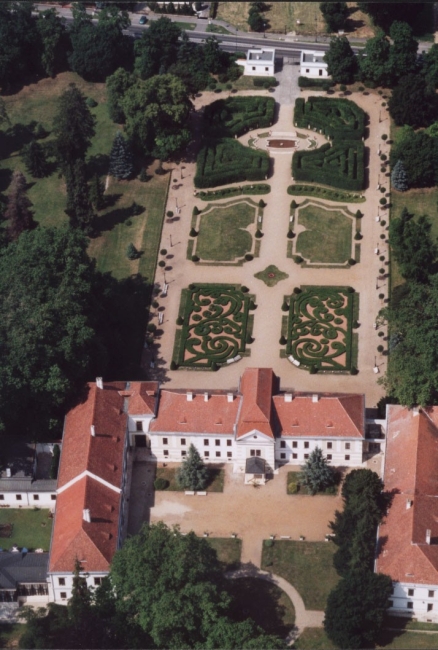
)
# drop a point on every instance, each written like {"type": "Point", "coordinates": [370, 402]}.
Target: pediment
{"type": "Point", "coordinates": [255, 436]}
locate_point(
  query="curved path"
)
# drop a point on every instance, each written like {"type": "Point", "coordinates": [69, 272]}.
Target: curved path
{"type": "Point", "coordinates": [303, 617]}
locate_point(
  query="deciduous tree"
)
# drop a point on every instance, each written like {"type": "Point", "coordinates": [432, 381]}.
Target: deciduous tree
{"type": "Point", "coordinates": [116, 86]}
{"type": "Point", "coordinates": [54, 40]}
{"type": "Point", "coordinates": [356, 608]}
{"type": "Point", "coordinates": [412, 246]}
{"type": "Point", "coordinates": [418, 152]}
{"type": "Point", "coordinates": [374, 66]}
{"type": "Point", "coordinates": [335, 15]}
{"type": "Point", "coordinates": [157, 49]}
{"type": "Point", "coordinates": [341, 60]}
{"type": "Point", "coordinates": [403, 52]}
{"type": "Point", "coordinates": [412, 102]}
{"type": "Point", "coordinates": [18, 208]}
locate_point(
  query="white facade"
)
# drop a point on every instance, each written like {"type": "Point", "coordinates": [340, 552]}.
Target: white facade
{"type": "Point", "coordinates": [25, 499]}
{"type": "Point", "coordinates": [345, 452]}
{"type": "Point", "coordinates": [61, 585]}
{"type": "Point", "coordinates": [312, 64]}
{"type": "Point", "coordinates": [415, 600]}
{"type": "Point", "coordinates": [259, 62]}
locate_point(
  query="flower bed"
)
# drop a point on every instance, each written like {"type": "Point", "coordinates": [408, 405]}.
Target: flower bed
{"type": "Point", "coordinates": [319, 331]}
{"type": "Point", "coordinates": [215, 325]}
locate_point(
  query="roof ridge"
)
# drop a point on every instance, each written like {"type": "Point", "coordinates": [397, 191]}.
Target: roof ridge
{"type": "Point", "coordinates": [416, 472]}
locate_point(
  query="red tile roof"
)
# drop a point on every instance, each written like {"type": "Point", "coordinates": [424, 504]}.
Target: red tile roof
{"type": "Point", "coordinates": [331, 416]}
{"type": "Point", "coordinates": [177, 414]}
{"type": "Point", "coordinates": [411, 471]}
{"type": "Point", "coordinates": [93, 543]}
{"type": "Point", "coordinates": [256, 387]}
{"type": "Point", "coordinates": [143, 395]}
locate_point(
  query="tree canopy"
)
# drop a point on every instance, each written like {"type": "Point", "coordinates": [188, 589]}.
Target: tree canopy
{"type": "Point", "coordinates": [157, 112]}
{"type": "Point", "coordinates": [419, 154]}
{"type": "Point", "coordinates": [73, 126]}
{"type": "Point", "coordinates": [341, 60]}
{"type": "Point", "coordinates": [157, 49]}
{"type": "Point", "coordinates": [384, 14]}
{"type": "Point", "coordinates": [192, 475]}
{"type": "Point", "coordinates": [316, 474]}
{"type": "Point", "coordinates": [54, 41]}
{"type": "Point", "coordinates": [374, 66]}
{"type": "Point", "coordinates": [412, 102]}
{"type": "Point", "coordinates": [356, 608]}
{"type": "Point", "coordinates": [335, 15]}
{"type": "Point", "coordinates": [18, 208]}
{"type": "Point", "coordinates": [412, 246]}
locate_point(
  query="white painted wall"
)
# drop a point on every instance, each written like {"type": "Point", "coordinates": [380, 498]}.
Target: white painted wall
{"type": "Point", "coordinates": [422, 600]}
{"type": "Point", "coordinates": [28, 500]}
{"type": "Point", "coordinates": [346, 452]}
{"type": "Point", "coordinates": [60, 593]}
{"type": "Point", "coordinates": [311, 65]}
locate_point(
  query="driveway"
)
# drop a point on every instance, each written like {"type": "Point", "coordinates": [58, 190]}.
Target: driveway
{"type": "Point", "coordinates": [252, 513]}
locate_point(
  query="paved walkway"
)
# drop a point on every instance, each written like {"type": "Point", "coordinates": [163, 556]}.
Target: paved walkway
{"type": "Point", "coordinates": [303, 617]}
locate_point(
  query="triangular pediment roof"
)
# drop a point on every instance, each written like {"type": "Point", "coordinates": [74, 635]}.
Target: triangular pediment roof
{"type": "Point", "coordinates": [256, 387]}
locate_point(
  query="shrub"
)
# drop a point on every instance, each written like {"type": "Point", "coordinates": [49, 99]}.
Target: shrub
{"type": "Point", "coordinates": [297, 290]}
{"type": "Point", "coordinates": [249, 257]}
{"type": "Point", "coordinates": [196, 211]}
{"type": "Point", "coordinates": [91, 102]}
{"type": "Point", "coordinates": [384, 136]}
{"type": "Point", "coordinates": [161, 484]}
{"type": "Point", "coordinates": [155, 304]}
{"type": "Point", "coordinates": [359, 214]}
{"type": "Point", "coordinates": [195, 258]}
{"type": "Point", "coordinates": [214, 366]}
{"type": "Point", "coordinates": [244, 289]}
{"type": "Point", "coordinates": [143, 177]}
{"type": "Point", "coordinates": [383, 223]}
{"type": "Point", "coordinates": [151, 327]}
{"type": "Point", "coordinates": [258, 233]}
{"type": "Point", "coordinates": [293, 487]}
{"type": "Point", "coordinates": [354, 371]}
{"type": "Point", "coordinates": [358, 236]}
{"type": "Point", "coordinates": [380, 348]}
{"type": "Point", "coordinates": [282, 340]}
{"type": "Point", "coordinates": [297, 259]}
{"type": "Point", "coordinates": [381, 296]}
{"type": "Point", "coordinates": [383, 201]}
{"type": "Point", "coordinates": [382, 258]}
{"type": "Point", "coordinates": [180, 320]}
{"type": "Point", "coordinates": [249, 338]}
{"type": "Point", "coordinates": [313, 370]}
{"type": "Point", "coordinates": [351, 261]}
{"type": "Point", "coordinates": [131, 252]}
{"type": "Point", "coordinates": [293, 204]}
{"type": "Point", "coordinates": [381, 271]}
{"type": "Point", "coordinates": [163, 251]}
{"type": "Point", "coordinates": [382, 236]}
{"type": "Point", "coordinates": [169, 213]}
{"type": "Point", "coordinates": [342, 87]}
{"type": "Point", "coordinates": [290, 234]}
{"type": "Point", "coordinates": [308, 82]}
{"type": "Point", "coordinates": [193, 232]}
{"type": "Point", "coordinates": [381, 334]}
{"type": "Point", "coordinates": [285, 306]}
{"type": "Point", "coordinates": [162, 263]}
{"type": "Point", "coordinates": [356, 324]}
{"type": "Point", "coordinates": [173, 365]}
{"type": "Point", "coordinates": [383, 157]}
{"type": "Point", "coordinates": [262, 204]}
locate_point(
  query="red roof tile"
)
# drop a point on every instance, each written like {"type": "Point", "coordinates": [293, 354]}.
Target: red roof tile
{"type": "Point", "coordinates": [411, 472]}
{"type": "Point", "coordinates": [177, 414]}
{"type": "Point", "coordinates": [93, 543]}
{"type": "Point", "coordinates": [256, 387]}
{"type": "Point", "coordinates": [331, 416]}
{"type": "Point", "coordinates": [143, 396]}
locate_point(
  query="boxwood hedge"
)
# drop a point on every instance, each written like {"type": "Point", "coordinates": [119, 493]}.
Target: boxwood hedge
{"type": "Point", "coordinates": [236, 115]}
{"type": "Point", "coordinates": [340, 164]}
{"type": "Point", "coordinates": [225, 161]}
{"type": "Point", "coordinates": [336, 118]}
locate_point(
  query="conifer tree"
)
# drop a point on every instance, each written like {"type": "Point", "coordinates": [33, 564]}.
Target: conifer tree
{"type": "Point", "coordinates": [79, 207]}
{"type": "Point", "coordinates": [316, 474]}
{"type": "Point", "coordinates": [120, 158]}
{"type": "Point", "coordinates": [35, 159]}
{"type": "Point", "coordinates": [399, 177]}
{"type": "Point", "coordinates": [192, 475]}
{"type": "Point", "coordinates": [18, 209]}
{"type": "Point", "coordinates": [97, 190]}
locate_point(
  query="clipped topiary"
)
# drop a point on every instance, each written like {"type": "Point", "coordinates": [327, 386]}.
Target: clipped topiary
{"type": "Point", "coordinates": [162, 263]}
{"type": "Point", "coordinates": [161, 484]}
{"type": "Point", "coordinates": [282, 340]}
{"type": "Point", "coordinates": [244, 289]}
{"type": "Point", "coordinates": [359, 214]}
{"type": "Point", "coordinates": [358, 236]}
{"type": "Point", "coordinates": [290, 234]}
{"type": "Point", "coordinates": [284, 306]}
{"type": "Point", "coordinates": [179, 320]}
{"type": "Point", "coordinates": [195, 258]}
{"type": "Point", "coordinates": [249, 257]}
{"type": "Point", "coordinates": [259, 233]}
{"type": "Point", "coordinates": [351, 261]}
{"type": "Point", "coordinates": [131, 252]}
{"type": "Point", "coordinates": [262, 204]}
{"type": "Point", "coordinates": [298, 259]}
{"type": "Point", "coordinates": [173, 365]}
{"type": "Point", "coordinates": [354, 371]}
{"type": "Point", "coordinates": [313, 370]}
{"type": "Point", "coordinates": [163, 251]}
{"type": "Point", "coordinates": [294, 204]}
{"type": "Point", "coordinates": [169, 214]}
{"type": "Point", "coordinates": [196, 211]}
{"type": "Point", "coordinates": [193, 232]}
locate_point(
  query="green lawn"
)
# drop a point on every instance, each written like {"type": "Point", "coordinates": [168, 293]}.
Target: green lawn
{"type": "Point", "coordinates": [314, 638]}
{"type": "Point", "coordinates": [263, 601]}
{"type": "Point", "coordinates": [308, 566]}
{"type": "Point", "coordinates": [271, 275]}
{"type": "Point", "coordinates": [293, 481]}
{"type": "Point", "coordinates": [328, 235]}
{"type": "Point", "coordinates": [215, 482]}
{"type": "Point", "coordinates": [228, 551]}
{"type": "Point", "coordinates": [185, 26]}
{"type": "Point", "coordinates": [222, 235]}
{"type": "Point", "coordinates": [31, 528]}
{"type": "Point", "coordinates": [38, 102]}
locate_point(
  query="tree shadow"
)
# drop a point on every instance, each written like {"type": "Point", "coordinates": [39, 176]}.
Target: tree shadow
{"type": "Point", "coordinates": [111, 199]}
{"type": "Point", "coordinates": [98, 164]}
{"type": "Point", "coordinates": [111, 219]}
{"type": "Point", "coordinates": [15, 138]}
{"type": "Point", "coordinates": [5, 179]}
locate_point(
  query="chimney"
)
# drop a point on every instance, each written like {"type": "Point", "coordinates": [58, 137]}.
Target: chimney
{"type": "Point", "coordinates": [190, 396]}
{"type": "Point", "coordinates": [230, 397]}
{"type": "Point", "coordinates": [409, 504]}
{"type": "Point", "coordinates": [93, 430]}
{"type": "Point", "coordinates": [415, 411]}
{"type": "Point", "coordinates": [315, 398]}
{"type": "Point", "coordinates": [99, 382]}
{"type": "Point", "coordinates": [205, 397]}
{"type": "Point", "coordinates": [428, 534]}
{"type": "Point", "coordinates": [288, 397]}
{"type": "Point", "coordinates": [86, 514]}
{"type": "Point", "coordinates": [8, 472]}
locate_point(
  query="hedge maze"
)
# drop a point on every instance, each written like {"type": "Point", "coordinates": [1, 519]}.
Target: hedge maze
{"type": "Point", "coordinates": [237, 115]}
{"type": "Point", "coordinates": [319, 330]}
{"type": "Point", "coordinates": [227, 161]}
{"type": "Point", "coordinates": [214, 325]}
{"type": "Point", "coordinates": [338, 119]}
{"type": "Point", "coordinates": [340, 164]}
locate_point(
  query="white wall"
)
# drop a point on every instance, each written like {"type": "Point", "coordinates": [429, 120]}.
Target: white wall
{"type": "Point", "coordinates": [218, 449]}
{"type": "Point", "coordinates": [57, 590]}
{"type": "Point", "coordinates": [259, 68]}
{"type": "Point", "coordinates": [421, 597]}
{"type": "Point", "coordinates": [294, 450]}
{"type": "Point", "coordinates": [28, 500]}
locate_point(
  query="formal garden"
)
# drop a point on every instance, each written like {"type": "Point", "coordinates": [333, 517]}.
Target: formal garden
{"type": "Point", "coordinates": [224, 161]}
{"type": "Point", "coordinates": [337, 119]}
{"type": "Point", "coordinates": [226, 233]}
{"type": "Point", "coordinates": [237, 115]}
{"type": "Point", "coordinates": [324, 236]}
{"type": "Point", "coordinates": [318, 331]}
{"type": "Point", "coordinates": [215, 325]}
{"type": "Point", "coordinates": [326, 193]}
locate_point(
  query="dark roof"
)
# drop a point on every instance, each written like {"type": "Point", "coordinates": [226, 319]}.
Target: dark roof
{"type": "Point", "coordinates": [255, 465]}
{"type": "Point", "coordinates": [18, 456]}
{"type": "Point", "coordinates": [22, 568]}
{"type": "Point", "coordinates": [27, 485]}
